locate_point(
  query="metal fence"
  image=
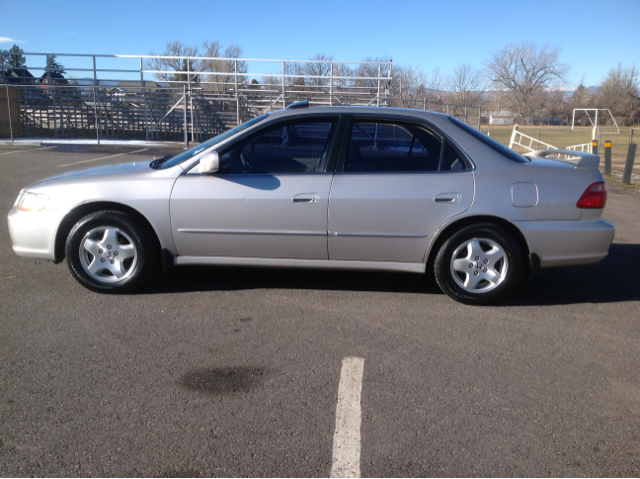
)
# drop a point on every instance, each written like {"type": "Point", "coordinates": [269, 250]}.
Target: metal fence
{"type": "Point", "coordinates": [470, 114]}
{"type": "Point", "coordinates": [106, 113]}
{"type": "Point", "coordinates": [156, 114]}
{"type": "Point", "coordinates": [184, 106]}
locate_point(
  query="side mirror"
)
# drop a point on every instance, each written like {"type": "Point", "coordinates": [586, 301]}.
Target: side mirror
{"type": "Point", "coordinates": [210, 163]}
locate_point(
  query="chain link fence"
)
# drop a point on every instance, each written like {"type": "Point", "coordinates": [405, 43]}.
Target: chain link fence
{"type": "Point", "coordinates": [469, 114]}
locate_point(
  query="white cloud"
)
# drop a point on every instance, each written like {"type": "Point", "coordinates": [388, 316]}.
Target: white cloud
{"type": "Point", "coordinates": [11, 40]}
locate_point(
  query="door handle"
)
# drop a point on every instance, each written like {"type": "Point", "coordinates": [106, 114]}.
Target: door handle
{"type": "Point", "coordinates": [447, 198]}
{"type": "Point", "coordinates": [305, 198]}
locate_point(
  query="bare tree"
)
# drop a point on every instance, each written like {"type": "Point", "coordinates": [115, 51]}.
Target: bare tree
{"type": "Point", "coordinates": [290, 69]}
{"type": "Point", "coordinates": [297, 82]}
{"type": "Point", "coordinates": [524, 71]}
{"type": "Point", "coordinates": [321, 67]}
{"type": "Point", "coordinates": [555, 106]}
{"type": "Point", "coordinates": [368, 72]}
{"type": "Point", "coordinates": [210, 49]}
{"type": "Point", "coordinates": [166, 66]}
{"type": "Point", "coordinates": [342, 70]}
{"type": "Point", "coordinates": [224, 68]}
{"type": "Point", "coordinates": [619, 91]}
{"type": "Point", "coordinates": [467, 85]}
{"type": "Point", "coordinates": [435, 86]}
{"type": "Point", "coordinates": [407, 86]}
{"type": "Point", "coordinates": [407, 79]}
{"type": "Point", "coordinates": [234, 65]}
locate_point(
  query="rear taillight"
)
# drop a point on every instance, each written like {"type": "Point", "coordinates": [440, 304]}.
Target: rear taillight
{"type": "Point", "coordinates": [594, 197]}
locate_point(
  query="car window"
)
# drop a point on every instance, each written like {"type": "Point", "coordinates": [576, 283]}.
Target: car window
{"type": "Point", "coordinates": [293, 146]}
{"type": "Point", "coordinates": [451, 159]}
{"type": "Point", "coordinates": [491, 143]}
{"type": "Point", "coordinates": [389, 147]}
{"type": "Point", "coordinates": [187, 155]}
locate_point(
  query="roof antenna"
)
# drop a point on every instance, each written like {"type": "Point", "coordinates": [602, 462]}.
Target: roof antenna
{"type": "Point", "coordinates": [298, 104]}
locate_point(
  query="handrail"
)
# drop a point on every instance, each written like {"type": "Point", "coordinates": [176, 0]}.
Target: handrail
{"type": "Point", "coordinates": [378, 76]}
{"type": "Point", "coordinates": [517, 136]}
{"type": "Point", "coordinates": [531, 139]}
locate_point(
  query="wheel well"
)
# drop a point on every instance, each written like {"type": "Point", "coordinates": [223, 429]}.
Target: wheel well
{"type": "Point", "coordinates": [83, 210]}
{"type": "Point", "coordinates": [472, 220]}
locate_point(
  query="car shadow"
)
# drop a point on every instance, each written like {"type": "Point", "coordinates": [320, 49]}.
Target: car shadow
{"type": "Point", "coordinates": [214, 278]}
{"type": "Point", "coordinates": [614, 279]}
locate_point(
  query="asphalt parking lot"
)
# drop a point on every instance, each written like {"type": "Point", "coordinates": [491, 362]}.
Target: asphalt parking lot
{"type": "Point", "coordinates": [235, 372]}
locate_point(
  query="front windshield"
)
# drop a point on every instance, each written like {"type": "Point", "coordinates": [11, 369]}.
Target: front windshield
{"type": "Point", "coordinates": [182, 157]}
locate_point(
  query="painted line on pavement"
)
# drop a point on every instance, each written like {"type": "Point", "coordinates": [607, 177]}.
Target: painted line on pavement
{"type": "Point", "coordinates": [26, 151]}
{"type": "Point", "coordinates": [103, 158]}
{"type": "Point", "coordinates": [346, 439]}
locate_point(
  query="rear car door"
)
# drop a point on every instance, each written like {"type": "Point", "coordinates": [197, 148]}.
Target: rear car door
{"type": "Point", "coordinates": [268, 200]}
{"type": "Point", "coordinates": [398, 181]}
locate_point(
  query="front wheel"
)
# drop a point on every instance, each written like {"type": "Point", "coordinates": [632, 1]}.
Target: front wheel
{"type": "Point", "coordinates": [108, 252]}
{"type": "Point", "coordinates": [478, 265]}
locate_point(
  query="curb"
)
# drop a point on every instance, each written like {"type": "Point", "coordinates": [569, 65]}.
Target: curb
{"type": "Point", "coordinates": [20, 143]}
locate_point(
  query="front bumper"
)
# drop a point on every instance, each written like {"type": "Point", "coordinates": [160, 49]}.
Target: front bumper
{"type": "Point", "coordinates": [568, 243]}
{"type": "Point", "coordinates": [33, 234]}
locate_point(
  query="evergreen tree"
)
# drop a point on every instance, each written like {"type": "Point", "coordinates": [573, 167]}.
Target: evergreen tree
{"type": "Point", "coordinates": [54, 66]}
{"type": "Point", "coordinates": [14, 57]}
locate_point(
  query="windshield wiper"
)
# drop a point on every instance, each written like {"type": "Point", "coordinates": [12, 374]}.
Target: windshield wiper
{"type": "Point", "coordinates": [155, 164]}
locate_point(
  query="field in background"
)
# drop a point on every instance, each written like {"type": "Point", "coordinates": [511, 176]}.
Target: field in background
{"type": "Point", "coordinates": [561, 137]}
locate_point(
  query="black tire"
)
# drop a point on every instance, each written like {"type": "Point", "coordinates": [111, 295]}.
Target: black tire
{"type": "Point", "coordinates": [108, 252]}
{"type": "Point", "coordinates": [491, 268]}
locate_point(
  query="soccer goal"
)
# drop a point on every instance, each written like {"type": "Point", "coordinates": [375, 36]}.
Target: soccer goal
{"type": "Point", "coordinates": [598, 118]}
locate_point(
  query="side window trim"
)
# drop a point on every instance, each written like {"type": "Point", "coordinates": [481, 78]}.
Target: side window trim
{"type": "Point", "coordinates": [344, 146]}
{"type": "Point", "coordinates": [337, 143]}
{"type": "Point", "coordinates": [443, 142]}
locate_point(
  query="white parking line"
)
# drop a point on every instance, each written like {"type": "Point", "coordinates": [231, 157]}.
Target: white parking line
{"type": "Point", "coordinates": [103, 158]}
{"type": "Point", "coordinates": [346, 439]}
{"type": "Point", "coordinates": [26, 151]}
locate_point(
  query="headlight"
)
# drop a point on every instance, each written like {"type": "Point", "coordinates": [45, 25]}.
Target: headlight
{"type": "Point", "coordinates": [18, 198]}
{"type": "Point", "coordinates": [32, 201]}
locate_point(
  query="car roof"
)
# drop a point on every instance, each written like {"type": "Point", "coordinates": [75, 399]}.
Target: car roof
{"type": "Point", "coordinates": [358, 110]}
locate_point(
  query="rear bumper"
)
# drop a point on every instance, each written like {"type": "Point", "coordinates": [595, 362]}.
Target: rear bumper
{"type": "Point", "coordinates": [567, 243]}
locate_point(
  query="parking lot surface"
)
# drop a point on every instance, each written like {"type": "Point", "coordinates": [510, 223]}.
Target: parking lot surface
{"type": "Point", "coordinates": [235, 372]}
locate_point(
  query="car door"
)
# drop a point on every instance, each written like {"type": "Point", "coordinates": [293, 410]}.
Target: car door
{"type": "Point", "coordinates": [398, 181]}
{"type": "Point", "coordinates": [268, 200]}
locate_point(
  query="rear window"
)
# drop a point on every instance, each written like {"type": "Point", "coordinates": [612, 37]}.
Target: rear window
{"type": "Point", "coordinates": [491, 143]}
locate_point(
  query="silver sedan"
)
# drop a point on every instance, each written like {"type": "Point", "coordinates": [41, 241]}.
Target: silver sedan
{"type": "Point", "coordinates": [338, 188]}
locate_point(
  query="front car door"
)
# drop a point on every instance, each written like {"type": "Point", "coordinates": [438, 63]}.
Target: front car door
{"type": "Point", "coordinates": [398, 182]}
{"type": "Point", "coordinates": [268, 200]}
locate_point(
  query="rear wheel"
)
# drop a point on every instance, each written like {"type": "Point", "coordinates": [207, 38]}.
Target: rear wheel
{"type": "Point", "coordinates": [478, 265]}
{"type": "Point", "coordinates": [108, 252]}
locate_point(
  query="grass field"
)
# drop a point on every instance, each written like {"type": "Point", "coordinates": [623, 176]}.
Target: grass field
{"type": "Point", "coordinates": [561, 137]}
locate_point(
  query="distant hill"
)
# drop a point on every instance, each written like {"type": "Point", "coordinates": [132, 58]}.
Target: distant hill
{"type": "Point", "coordinates": [590, 89]}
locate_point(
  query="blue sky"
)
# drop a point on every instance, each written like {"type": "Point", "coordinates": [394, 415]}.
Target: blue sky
{"type": "Point", "coordinates": [593, 35]}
